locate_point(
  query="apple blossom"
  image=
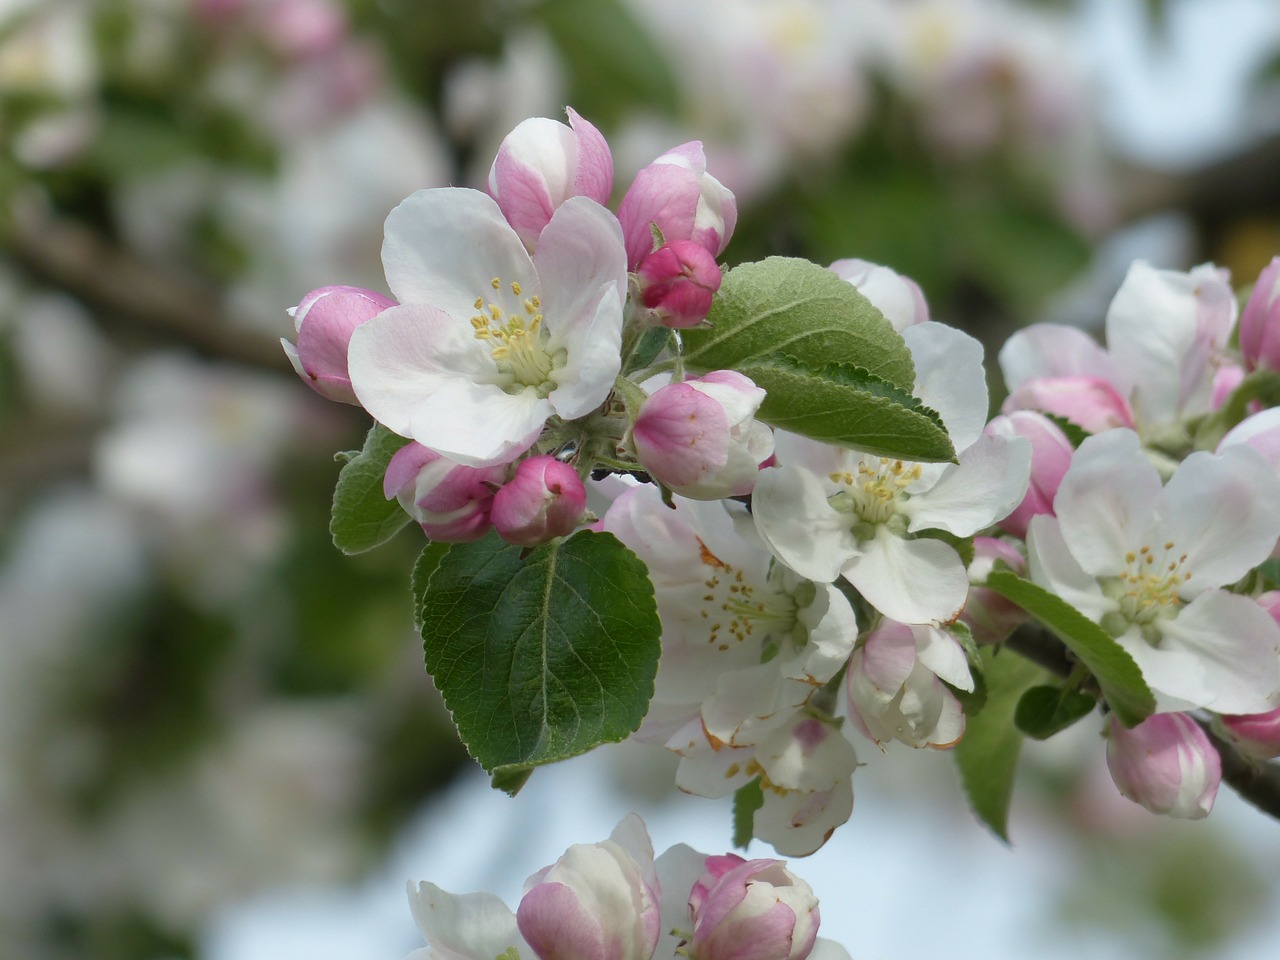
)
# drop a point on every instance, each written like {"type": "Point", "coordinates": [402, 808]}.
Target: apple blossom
{"type": "Point", "coordinates": [751, 909]}
{"type": "Point", "coordinates": [1147, 562]}
{"type": "Point", "coordinates": [544, 500]}
{"type": "Point", "coordinates": [677, 282]}
{"type": "Point", "coordinates": [1166, 763]}
{"type": "Point", "coordinates": [451, 502]}
{"type": "Point", "coordinates": [487, 342]}
{"type": "Point", "coordinates": [829, 512]}
{"type": "Point", "coordinates": [700, 438]}
{"type": "Point", "coordinates": [1165, 332]}
{"type": "Point", "coordinates": [676, 195]}
{"type": "Point", "coordinates": [324, 321]}
{"type": "Point", "coordinates": [541, 164]}
{"type": "Point", "coordinates": [894, 686]}
{"type": "Point", "coordinates": [599, 901]}
{"type": "Point", "coordinates": [1050, 456]}
{"type": "Point", "coordinates": [469, 926]}
{"type": "Point", "coordinates": [1260, 321]}
{"type": "Point", "coordinates": [1258, 734]}
{"type": "Point", "coordinates": [899, 298]}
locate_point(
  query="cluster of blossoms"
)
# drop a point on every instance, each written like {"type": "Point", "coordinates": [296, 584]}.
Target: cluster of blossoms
{"type": "Point", "coordinates": [532, 363]}
{"type": "Point", "coordinates": [613, 901]}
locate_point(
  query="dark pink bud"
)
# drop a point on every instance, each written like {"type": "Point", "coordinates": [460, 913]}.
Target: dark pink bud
{"type": "Point", "coordinates": [324, 321]}
{"type": "Point", "coordinates": [1050, 457]}
{"type": "Point", "coordinates": [544, 500]}
{"type": "Point", "coordinates": [677, 282]}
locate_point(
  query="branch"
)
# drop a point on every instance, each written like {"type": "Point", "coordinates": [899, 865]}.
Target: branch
{"type": "Point", "coordinates": [127, 289]}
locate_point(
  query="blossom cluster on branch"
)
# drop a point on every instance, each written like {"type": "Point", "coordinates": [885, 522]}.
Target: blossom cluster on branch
{"type": "Point", "coordinates": [751, 515]}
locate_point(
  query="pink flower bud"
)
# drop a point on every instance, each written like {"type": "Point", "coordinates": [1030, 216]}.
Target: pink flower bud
{"type": "Point", "coordinates": [1091, 403]}
{"type": "Point", "coordinates": [324, 321]}
{"type": "Point", "coordinates": [988, 615]}
{"type": "Point", "coordinates": [1260, 321]}
{"type": "Point", "coordinates": [599, 901]}
{"type": "Point", "coordinates": [1050, 456]}
{"type": "Point", "coordinates": [700, 437]}
{"type": "Point", "coordinates": [543, 501]}
{"type": "Point", "coordinates": [677, 282]}
{"type": "Point", "coordinates": [1167, 764]}
{"type": "Point", "coordinates": [752, 909]}
{"type": "Point", "coordinates": [541, 164]}
{"type": "Point", "coordinates": [450, 502]}
{"type": "Point", "coordinates": [1225, 380]}
{"type": "Point", "coordinates": [899, 298]}
{"type": "Point", "coordinates": [677, 195]}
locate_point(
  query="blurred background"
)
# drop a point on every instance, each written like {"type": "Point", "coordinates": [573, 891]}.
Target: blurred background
{"type": "Point", "coordinates": [217, 739]}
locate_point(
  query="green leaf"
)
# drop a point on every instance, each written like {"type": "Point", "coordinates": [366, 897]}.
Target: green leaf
{"type": "Point", "coordinates": [1046, 710]}
{"type": "Point", "coordinates": [362, 517]}
{"type": "Point", "coordinates": [987, 755]}
{"type": "Point", "coordinates": [540, 657]}
{"type": "Point", "coordinates": [788, 306]}
{"type": "Point", "coordinates": [746, 801]}
{"type": "Point", "coordinates": [1116, 672]}
{"type": "Point", "coordinates": [847, 406]}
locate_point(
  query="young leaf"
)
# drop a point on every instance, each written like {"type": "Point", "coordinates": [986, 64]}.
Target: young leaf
{"type": "Point", "coordinates": [539, 657]}
{"type": "Point", "coordinates": [1117, 674]}
{"type": "Point", "coordinates": [362, 517]}
{"type": "Point", "coordinates": [987, 755]}
{"type": "Point", "coordinates": [848, 406]}
{"type": "Point", "coordinates": [784, 305]}
{"type": "Point", "coordinates": [1045, 710]}
{"type": "Point", "coordinates": [746, 801]}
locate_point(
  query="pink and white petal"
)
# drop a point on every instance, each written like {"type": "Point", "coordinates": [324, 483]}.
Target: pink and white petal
{"type": "Point", "coordinates": [592, 362]}
{"type": "Point", "coordinates": [950, 378]}
{"type": "Point", "coordinates": [479, 424]}
{"type": "Point", "coordinates": [1223, 512]}
{"type": "Point", "coordinates": [579, 251]}
{"type": "Point", "coordinates": [1261, 432]}
{"type": "Point", "coordinates": [911, 581]}
{"type": "Point", "coordinates": [1053, 350]}
{"type": "Point", "coordinates": [402, 356]}
{"type": "Point", "coordinates": [1107, 501]}
{"type": "Point", "coordinates": [1053, 567]}
{"type": "Point", "coordinates": [469, 926]}
{"type": "Point", "coordinates": [884, 662]}
{"type": "Point", "coordinates": [444, 246]}
{"type": "Point", "coordinates": [793, 517]}
{"type": "Point", "coordinates": [663, 193]}
{"type": "Point", "coordinates": [985, 486]}
{"type": "Point", "coordinates": [940, 652]}
{"type": "Point", "coordinates": [1222, 652]}
{"type": "Point", "coordinates": [594, 176]}
{"type": "Point", "coordinates": [797, 824]}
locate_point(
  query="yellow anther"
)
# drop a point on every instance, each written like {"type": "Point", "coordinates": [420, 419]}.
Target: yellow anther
{"type": "Point", "coordinates": [496, 283]}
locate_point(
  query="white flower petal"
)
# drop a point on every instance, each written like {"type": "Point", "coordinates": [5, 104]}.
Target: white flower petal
{"type": "Point", "coordinates": [911, 581]}
{"type": "Point", "coordinates": [940, 652]}
{"type": "Point", "coordinates": [1053, 567]}
{"type": "Point", "coordinates": [950, 378]}
{"type": "Point", "coordinates": [469, 926]}
{"type": "Point", "coordinates": [478, 424]}
{"type": "Point", "coordinates": [793, 517]}
{"type": "Point", "coordinates": [1053, 350]}
{"type": "Point", "coordinates": [579, 251]}
{"type": "Point", "coordinates": [1107, 501]}
{"type": "Point", "coordinates": [443, 246]}
{"type": "Point", "coordinates": [592, 360]}
{"type": "Point", "coordinates": [797, 824]}
{"type": "Point", "coordinates": [985, 486]}
{"type": "Point", "coordinates": [1223, 512]}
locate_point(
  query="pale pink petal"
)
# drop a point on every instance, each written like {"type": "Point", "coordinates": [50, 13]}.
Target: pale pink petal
{"type": "Point", "coordinates": [1053, 350]}
{"type": "Point", "coordinates": [594, 177]}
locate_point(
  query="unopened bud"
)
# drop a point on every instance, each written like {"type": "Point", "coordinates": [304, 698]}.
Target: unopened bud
{"type": "Point", "coordinates": [544, 500]}
{"type": "Point", "coordinates": [1167, 764]}
{"type": "Point", "coordinates": [324, 321]}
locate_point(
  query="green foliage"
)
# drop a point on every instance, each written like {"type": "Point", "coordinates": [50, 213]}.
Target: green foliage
{"type": "Point", "coordinates": [833, 367]}
{"type": "Point", "coordinates": [988, 754]}
{"type": "Point", "coordinates": [1046, 710]}
{"type": "Point", "coordinates": [746, 801]}
{"type": "Point", "coordinates": [542, 656]}
{"type": "Point", "coordinates": [362, 517]}
{"type": "Point", "coordinates": [1117, 674]}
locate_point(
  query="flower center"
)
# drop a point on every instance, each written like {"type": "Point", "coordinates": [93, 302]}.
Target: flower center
{"type": "Point", "coordinates": [734, 608]}
{"type": "Point", "coordinates": [873, 492]}
{"type": "Point", "coordinates": [516, 339]}
{"type": "Point", "coordinates": [1147, 591]}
